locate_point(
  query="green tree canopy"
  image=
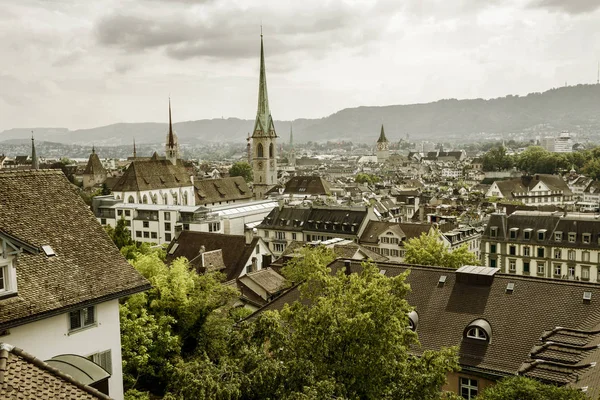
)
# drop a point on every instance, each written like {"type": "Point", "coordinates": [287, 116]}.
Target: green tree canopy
{"type": "Point", "coordinates": [120, 234]}
{"type": "Point", "coordinates": [522, 388]}
{"type": "Point", "coordinates": [316, 348]}
{"type": "Point", "coordinates": [363, 177]}
{"type": "Point", "coordinates": [496, 159]}
{"type": "Point", "coordinates": [428, 249]}
{"type": "Point", "coordinates": [243, 169]}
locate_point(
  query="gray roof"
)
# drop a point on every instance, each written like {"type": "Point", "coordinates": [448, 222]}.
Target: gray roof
{"type": "Point", "coordinates": [221, 190]}
{"type": "Point", "coordinates": [40, 208]}
{"type": "Point", "coordinates": [152, 175]}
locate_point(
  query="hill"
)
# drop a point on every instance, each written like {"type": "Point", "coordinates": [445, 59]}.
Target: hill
{"type": "Point", "coordinates": [572, 108]}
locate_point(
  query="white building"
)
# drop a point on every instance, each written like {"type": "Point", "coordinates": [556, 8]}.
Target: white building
{"type": "Point", "coordinates": [60, 275]}
{"type": "Point", "coordinates": [563, 143]}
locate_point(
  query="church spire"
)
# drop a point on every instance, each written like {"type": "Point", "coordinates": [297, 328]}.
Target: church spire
{"type": "Point", "coordinates": [134, 152]}
{"type": "Point", "coordinates": [171, 142]}
{"type": "Point", "coordinates": [34, 160]}
{"type": "Point", "coordinates": [291, 136]}
{"type": "Point", "coordinates": [382, 137]}
{"type": "Point", "coordinates": [264, 123]}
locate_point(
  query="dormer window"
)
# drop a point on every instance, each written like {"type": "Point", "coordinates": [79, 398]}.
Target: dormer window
{"type": "Point", "coordinates": [557, 236]}
{"type": "Point", "coordinates": [8, 277]}
{"type": "Point", "coordinates": [527, 234]}
{"type": "Point", "coordinates": [494, 231]}
{"type": "Point", "coordinates": [541, 234]}
{"type": "Point", "coordinates": [572, 237]}
{"type": "Point", "coordinates": [413, 320]}
{"type": "Point", "coordinates": [514, 232]}
{"type": "Point", "coordinates": [479, 329]}
{"type": "Point", "coordinates": [586, 237]}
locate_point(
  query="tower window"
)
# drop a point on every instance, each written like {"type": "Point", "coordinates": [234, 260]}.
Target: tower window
{"type": "Point", "coordinates": [259, 150]}
{"type": "Point", "coordinates": [271, 151]}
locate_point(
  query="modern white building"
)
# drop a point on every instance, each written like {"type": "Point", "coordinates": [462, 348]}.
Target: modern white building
{"type": "Point", "coordinates": [563, 143]}
{"type": "Point", "coordinates": [60, 274]}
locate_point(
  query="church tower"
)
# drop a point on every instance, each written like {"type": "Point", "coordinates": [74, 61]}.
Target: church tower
{"type": "Point", "coordinates": [264, 138]}
{"type": "Point", "coordinates": [383, 147]}
{"type": "Point", "coordinates": [172, 147]}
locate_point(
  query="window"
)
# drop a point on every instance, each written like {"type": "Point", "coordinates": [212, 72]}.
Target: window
{"type": "Point", "coordinates": [492, 249]}
{"type": "Point", "coordinates": [526, 251]}
{"type": "Point", "coordinates": [186, 227]}
{"type": "Point", "coordinates": [571, 272]}
{"type": "Point", "coordinates": [127, 222]}
{"type": "Point", "coordinates": [512, 250]}
{"type": "Point", "coordinates": [146, 224]}
{"type": "Point", "coordinates": [3, 276]}
{"type": "Point", "coordinates": [138, 233]}
{"type": "Point", "coordinates": [257, 251]}
{"type": "Point", "coordinates": [145, 199]}
{"type": "Point", "coordinates": [167, 226]}
{"type": "Point", "coordinates": [493, 263]}
{"type": "Point", "coordinates": [572, 237]}
{"type": "Point", "coordinates": [167, 216]}
{"type": "Point", "coordinates": [267, 235]}
{"type": "Point", "coordinates": [468, 388]}
{"type": "Point", "coordinates": [130, 199]}
{"type": "Point", "coordinates": [271, 151]}
{"type": "Point", "coordinates": [103, 359]}
{"type": "Point", "coordinates": [167, 237]}
{"type": "Point", "coordinates": [214, 227]}
{"type": "Point", "coordinates": [476, 333]}
{"type": "Point", "coordinates": [541, 268]}
{"type": "Point", "coordinates": [147, 235]}
{"type": "Point", "coordinates": [82, 318]}
{"type": "Point", "coordinates": [494, 231]}
{"type": "Point", "coordinates": [540, 252]}
{"type": "Point", "coordinates": [259, 150]}
{"type": "Point", "coordinates": [585, 256]}
{"type": "Point", "coordinates": [119, 212]}
{"type": "Point", "coordinates": [557, 253]}
{"type": "Point", "coordinates": [585, 273]}
{"type": "Point", "coordinates": [541, 234]}
{"type": "Point", "coordinates": [513, 233]}
{"type": "Point", "coordinates": [294, 236]}
{"type": "Point", "coordinates": [557, 269]}
{"type": "Point", "coordinates": [153, 235]}
{"type": "Point", "coordinates": [175, 199]}
{"type": "Point", "coordinates": [280, 235]}
{"type": "Point", "coordinates": [128, 213]}
{"type": "Point", "coordinates": [527, 234]}
{"type": "Point", "coordinates": [526, 267]}
{"type": "Point", "coordinates": [571, 255]}
{"type": "Point", "coordinates": [279, 247]}
{"type": "Point", "coordinates": [512, 265]}
{"type": "Point", "coordinates": [586, 237]}
{"type": "Point", "coordinates": [558, 236]}
{"type": "Point", "coordinates": [103, 221]}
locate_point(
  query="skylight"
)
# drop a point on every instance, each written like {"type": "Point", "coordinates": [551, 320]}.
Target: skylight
{"type": "Point", "coordinates": [48, 250]}
{"type": "Point", "coordinates": [510, 287]}
{"type": "Point", "coordinates": [587, 296]}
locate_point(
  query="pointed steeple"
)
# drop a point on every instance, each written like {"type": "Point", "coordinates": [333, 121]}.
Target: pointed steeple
{"type": "Point", "coordinates": [34, 160]}
{"type": "Point", "coordinates": [382, 137]}
{"type": "Point", "coordinates": [171, 142]}
{"type": "Point", "coordinates": [264, 123]}
{"type": "Point", "coordinates": [134, 152]}
{"type": "Point", "coordinates": [291, 137]}
{"type": "Point", "coordinates": [93, 149]}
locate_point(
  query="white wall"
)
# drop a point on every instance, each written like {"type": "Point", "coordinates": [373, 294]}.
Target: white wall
{"type": "Point", "coordinates": [50, 337]}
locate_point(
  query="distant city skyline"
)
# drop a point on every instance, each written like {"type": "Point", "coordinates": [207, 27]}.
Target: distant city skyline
{"type": "Point", "coordinates": [74, 64]}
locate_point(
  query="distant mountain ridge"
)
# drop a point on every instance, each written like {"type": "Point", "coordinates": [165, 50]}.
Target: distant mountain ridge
{"type": "Point", "coordinates": [572, 108]}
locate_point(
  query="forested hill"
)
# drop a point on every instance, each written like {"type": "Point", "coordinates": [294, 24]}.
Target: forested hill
{"type": "Point", "coordinates": [572, 108]}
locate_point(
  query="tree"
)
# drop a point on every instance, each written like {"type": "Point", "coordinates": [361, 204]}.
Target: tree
{"type": "Point", "coordinates": [363, 177]}
{"type": "Point", "coordinates": [496, 159]}
{"type": "Point", "coordinates": [307, 262]}
{"type": "Point", "coordinates": [315, 348]}
{"type": "Point", "coordinates": [184, 314]}
{"type": "Point", "coordinates": [243, 169]}
{"type": "Point", "coordinates": [428, 249]}
{"type": "Point", "coordinates": [120, 235]}
{"type": "Point", "coordinates": [522, 388]}
{"type": "Point", "coordinates": [592, 168]}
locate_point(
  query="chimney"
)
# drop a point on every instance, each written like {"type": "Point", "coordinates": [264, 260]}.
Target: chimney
{"type": "Point", "coordinates": [280, 204]}
{"type": "Point", "coordinates": [421, 212]}
{"type": "Point", "coordinates": [347, 264]}
{"type": "Point", "coordinates": [249, 235]}
{"type": "Point", "coordinates": [202, 249]}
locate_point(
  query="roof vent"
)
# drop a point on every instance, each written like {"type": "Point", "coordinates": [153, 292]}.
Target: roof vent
{"type": "Point", "coordinates": [510, 287]}
{"type": "Point", "coordinates": [48, 250]}
{"type": "Point", "coordinates": [382, 272]}
{"type": "Point", "coordinates": [587, 296]}
{"type": "Point", "coordinates": [476, 275]}
{"type": "Point", "coordinates": [174, 248]}
{"type": "Point", "coordinates": [442, 280]}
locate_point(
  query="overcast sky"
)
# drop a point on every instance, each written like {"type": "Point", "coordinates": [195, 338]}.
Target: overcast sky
{"type": "Point", "coordinates": [84, 63]}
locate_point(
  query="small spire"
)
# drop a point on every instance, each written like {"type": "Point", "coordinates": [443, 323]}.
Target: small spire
{"type": "Point", "coordinates": [34, 160]}
{"type": "Point", "coordinates": [134, 152]}
{"type": "Point", "coordinates": [291, 135]}
{"type": "Point", "coordinates": [171, 143]}
{"type": "Point", "coordinates": [382, 137]}
{"type": "Point", "coordinates": [93, 149]}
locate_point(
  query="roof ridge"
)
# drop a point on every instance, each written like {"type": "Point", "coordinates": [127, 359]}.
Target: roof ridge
{"type": "Point", "coordinates": [44, 366]}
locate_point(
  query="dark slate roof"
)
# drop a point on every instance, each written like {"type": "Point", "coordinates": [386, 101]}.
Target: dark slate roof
{"type": "Point", "coordinates": [235, 251]}
{"type": "Point", "coordinates": [286, 218]}
{"type": "Point", "coordinates": [22, 376]}
{"type": "Point", "coordinates": [266, 278]}
{"type": "Point", "coordinates": [94, 166]}
{"type": "Point", "coordinates": [335, 219]}
{"type": "Point", "coordinates": [413, 230]}
{"type": "Point", "coordinates": [522, 321]}
{"type": "Point", "coordinates": [223, 189]}
{"type": "Point", "coordinates": [346, 249]}
{"type": "Point", "coordinates": [308, 185]}
{"type": "Point", "coordinates": [152, 175]}
{"type": "Point", "coordinates": [39, 207]}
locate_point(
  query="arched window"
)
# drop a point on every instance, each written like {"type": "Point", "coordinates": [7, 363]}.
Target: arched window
{"type": "Point", "coordinates": [271, 151]}
{"type": "Point", "coordinates": [165, 199]}
{"type": "Point", "coordinates": [175, 199]}
{"type": "Point", "coordinates": [479, 329]}
{"type": "Point", "coordinates": [185, 198]}
{"type": "Point", "coordinates": [145, 199]}
{"type": "Point", "coordinates": [413, 320]}
{"type": "Point", "coordinates": [154, 198]}
{"type": "Point", "coordinates": [259, 150]}
{"type": "Point", "coordinates": [130, 199]}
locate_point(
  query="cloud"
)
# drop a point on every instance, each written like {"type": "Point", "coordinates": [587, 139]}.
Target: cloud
{"type": "Point", "coordinates": [568, 6]}
{"type": "Point", "coordinates": [229, 32]}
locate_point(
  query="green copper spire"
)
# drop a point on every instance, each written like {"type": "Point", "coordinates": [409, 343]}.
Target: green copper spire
{"type": "Point", "coordinates": [382, 137]}
{"type": "Point", "coordinates": [264, 123]}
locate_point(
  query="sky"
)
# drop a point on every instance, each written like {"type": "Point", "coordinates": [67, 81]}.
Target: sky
{"type": "Point", "coordinates": [82, 64]}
